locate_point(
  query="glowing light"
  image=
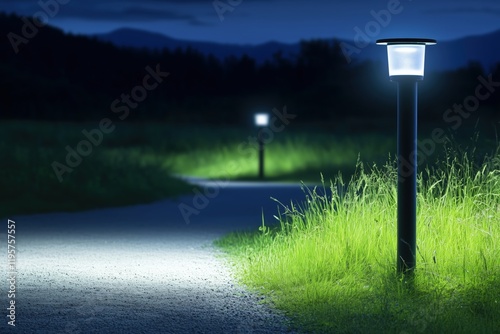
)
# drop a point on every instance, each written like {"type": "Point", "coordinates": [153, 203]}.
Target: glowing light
{"type": "Point", "coordinates": [406, 56]}
{"type": "Point", "coordinates": [261, 119]}
{"type": "Point", "coordinates": [406, 59]}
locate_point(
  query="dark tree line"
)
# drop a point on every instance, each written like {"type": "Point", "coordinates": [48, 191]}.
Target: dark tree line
{"type": "Point", "coordinates": [57, 76]}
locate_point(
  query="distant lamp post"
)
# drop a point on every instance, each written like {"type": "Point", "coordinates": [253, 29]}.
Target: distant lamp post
{"type": "Point", "coordinates": [406, 58]}
{"type": "Point", "coordinates": [261, 120]}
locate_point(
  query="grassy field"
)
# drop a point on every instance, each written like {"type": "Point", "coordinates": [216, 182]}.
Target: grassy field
{"type": "Point", "coordinates": [331, 265]}
{"type": "Point", "coordinates": [134, 163]}
{"type": "Point", "coordinates": [125, 169]}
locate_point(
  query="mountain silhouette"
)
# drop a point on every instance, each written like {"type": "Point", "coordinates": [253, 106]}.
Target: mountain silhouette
{"type": "Point", "coordinates": [448, 55]}
{"type": "Point", "coordinates": [135, 38]}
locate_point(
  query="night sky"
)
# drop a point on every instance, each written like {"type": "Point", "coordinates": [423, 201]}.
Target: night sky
{"type": "Point", "coordinates": [258, 21]}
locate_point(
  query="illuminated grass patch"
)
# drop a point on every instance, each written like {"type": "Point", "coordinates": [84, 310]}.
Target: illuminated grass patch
{"type": "Point", "coordinates": [295, 156]}
{"type": "Point", "coordinates": [331, 265]}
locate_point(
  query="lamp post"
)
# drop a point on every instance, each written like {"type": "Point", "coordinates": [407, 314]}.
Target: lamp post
{"type": "Point", "coordinates": [406, 57]}
{"type": "Point", "coordinates": [261, 120]}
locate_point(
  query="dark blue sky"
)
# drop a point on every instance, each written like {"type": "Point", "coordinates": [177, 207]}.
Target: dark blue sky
{"type": "Point", "coordinates": [257, 21]}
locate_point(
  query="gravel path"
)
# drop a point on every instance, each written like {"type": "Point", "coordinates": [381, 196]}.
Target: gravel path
{"type": "Point", "coordinates": [141, 269]}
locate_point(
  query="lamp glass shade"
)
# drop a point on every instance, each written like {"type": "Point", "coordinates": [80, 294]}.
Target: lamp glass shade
{"type": "Point", "coordinates": [406, 59]}
{"type": "Point", "coordinates": [261, 119]}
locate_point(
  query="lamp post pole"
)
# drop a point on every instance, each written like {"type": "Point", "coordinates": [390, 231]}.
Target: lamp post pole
{"type": "Point", "coordinates": [406, 58]}
{"type": "Point", "coordinates": [407, 174]}
{"type": "Point", "coordinates": [261, 121]}
{"type": "Point", "coordinates": [261, 156]}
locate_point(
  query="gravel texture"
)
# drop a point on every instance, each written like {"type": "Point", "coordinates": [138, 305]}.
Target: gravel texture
{"type": "Point", "coordinates": [141, 269]}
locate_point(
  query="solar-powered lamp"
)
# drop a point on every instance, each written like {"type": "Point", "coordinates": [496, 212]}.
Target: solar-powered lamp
{"type": "Point", "coordinates": [406, 57]}
{"type": "Point", "coordinates": [261, 121]}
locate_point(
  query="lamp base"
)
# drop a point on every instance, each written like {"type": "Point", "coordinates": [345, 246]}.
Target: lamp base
{"type": "Point", "coordinates": [400, 78]}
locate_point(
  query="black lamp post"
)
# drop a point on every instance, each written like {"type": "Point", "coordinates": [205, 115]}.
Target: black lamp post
{"type": "Point", "coordinates": [261, 120]}
{"type": "Point", "coordinates": [406, 58]}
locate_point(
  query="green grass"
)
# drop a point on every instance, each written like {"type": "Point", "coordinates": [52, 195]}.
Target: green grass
{"type": "Point", "coordinates": [293, 156]}
{"type": "Point", "coordinates": [125, 169]}
{"type": "Point", "coordinates": [330, 265]}
{"type": "Point", "coordinates": [135, 162]}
